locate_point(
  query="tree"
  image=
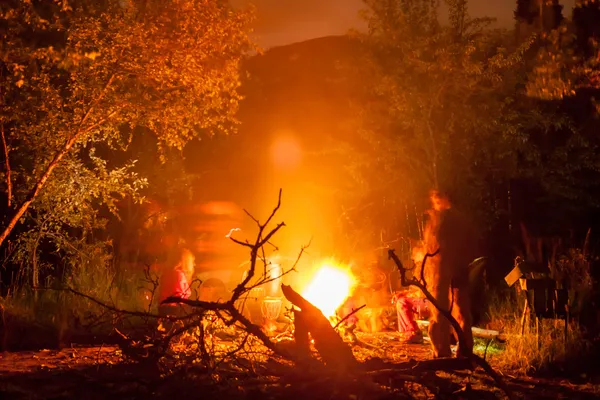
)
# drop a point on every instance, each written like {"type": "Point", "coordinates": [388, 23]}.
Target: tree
{"type": "Point", "coordinates": [536, 16]}
{"type": "Point", "coordinates": [569, 61]}
{"type": "Point", "coordinates": [565, 72]}
{"type": "Point", "coordinates": [445, 106]}
{"type": "Point", "coordinates": [436, 109]}
{"type": "Point", "coordinates": [75, 74]}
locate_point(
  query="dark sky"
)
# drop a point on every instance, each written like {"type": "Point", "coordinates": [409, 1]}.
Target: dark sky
{"type": "Point", "coordinates": [287, 21]}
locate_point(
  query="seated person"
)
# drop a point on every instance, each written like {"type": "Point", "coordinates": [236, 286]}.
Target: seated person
{"type": "Point", "coordinates": [408, 303]}
{"type": "Point", "coordinates": [175, 282]}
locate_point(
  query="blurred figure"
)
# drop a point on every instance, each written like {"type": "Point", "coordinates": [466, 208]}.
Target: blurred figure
{"type": "Point", "coordinates": [407, 310]}
{"type": "Point", "coordinates": [346, 309]}
{"type": "Point", "coordinates": [175, 280]}
{"type": "Point", "coordinates": [447, 274]}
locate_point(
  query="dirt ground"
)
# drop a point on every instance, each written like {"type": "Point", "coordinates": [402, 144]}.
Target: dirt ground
{"type": "Point", "coordinates": [100, 373]}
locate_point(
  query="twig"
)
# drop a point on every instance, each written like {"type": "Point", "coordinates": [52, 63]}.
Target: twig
{"type": "Point", "coordinates": [225, 311]}
{"type": "Point", "coordinates": [258, 244]}
{"type": "Point", "coordinates": [127, 312]}
{"type": "Point", "coordinates": [354, 311]}
{"type": "Point", "coordinates": [302, 250]}
{"type": "Point", "coordinates": [234, 351]}
{"type": "Point", "coordinates": [427, 255]}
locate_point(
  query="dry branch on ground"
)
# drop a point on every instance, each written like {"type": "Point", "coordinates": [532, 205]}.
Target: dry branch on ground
{"type": "Point", "coordinates": [221, 339]}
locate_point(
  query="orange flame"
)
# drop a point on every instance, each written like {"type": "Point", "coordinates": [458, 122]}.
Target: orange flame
{"type": "Point", "coordinates": [330, 286]}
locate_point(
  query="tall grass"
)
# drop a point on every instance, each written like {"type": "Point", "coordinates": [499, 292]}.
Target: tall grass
{"type": "Point", "coordinates": [533, 351]}
{"type": "Point", "coordinates": [545, 348]}
{"type": "Point", "coordinates": [49, 316]}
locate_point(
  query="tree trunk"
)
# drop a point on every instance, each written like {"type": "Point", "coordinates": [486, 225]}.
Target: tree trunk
{"type": "Point", "coordinates": [7, 162]}
{"type": "Point", "coordinates": [35, 271]}
{"type": "Point", "coordinates": [24, 206]}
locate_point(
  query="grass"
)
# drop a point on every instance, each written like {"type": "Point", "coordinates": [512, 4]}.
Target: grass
{"type": "Point", "coordinates": [49, 317]}
{"type": "Point", "coordinates": [530, 353]}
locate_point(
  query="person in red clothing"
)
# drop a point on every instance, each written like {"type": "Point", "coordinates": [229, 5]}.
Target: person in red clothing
{"type": "Point", "coordinates": [176, 281]}
{"type": "Point", "coordinates": [406, 307]}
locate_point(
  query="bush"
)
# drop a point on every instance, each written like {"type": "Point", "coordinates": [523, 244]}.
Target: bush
{"type": "Point", "coordinates": [51, 316]}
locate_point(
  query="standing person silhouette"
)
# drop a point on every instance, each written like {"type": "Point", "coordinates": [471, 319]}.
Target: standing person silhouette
{"type": "Point", "coordinates": [447, 274]}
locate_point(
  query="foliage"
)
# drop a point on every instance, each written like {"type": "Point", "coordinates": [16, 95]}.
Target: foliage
{"type": "Point", "coordinates": [529, 353]}
{"type": "Point", "coordinates": [574, 268]}
{"type": "Point", "coordinates": [569, 61]}
{"type": "Point", "coordinates": [437, 106]}
{"type": "Point", "coordinates": [446, 106]}
{"type": "Point", "coordinates": [100, 73]}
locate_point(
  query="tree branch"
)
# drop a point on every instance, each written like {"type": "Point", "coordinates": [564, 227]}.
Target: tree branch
{"type": "Point", "coordinates": [258, 244]}
{"type": "Point", "coordinates": [24, 206]}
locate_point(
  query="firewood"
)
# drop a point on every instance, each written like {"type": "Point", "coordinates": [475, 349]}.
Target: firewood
{"type": "Point", "coordinates": [301, 333]}
{"type": "Point", "coordinates": [332, 349]}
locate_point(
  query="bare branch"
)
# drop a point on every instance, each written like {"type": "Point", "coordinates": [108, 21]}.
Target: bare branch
{"type": "Point", "coordinates": [274, 210]}
{"type": "Point", "coordinates": [241, 287]}
{"type": "Point", "coordinates": [302, 250]}
{"type": "Point", "coordinates": [427, 255]}
{"type": "Point", "coordinates": [245, 244]}
{"type": "Point", "coordinates": [252, 216]}
{"type": "Point", "coordinates": [125, 312]}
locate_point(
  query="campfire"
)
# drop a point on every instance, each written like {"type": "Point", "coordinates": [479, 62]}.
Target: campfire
{"type": "Point", "coordinates": [329, 287]}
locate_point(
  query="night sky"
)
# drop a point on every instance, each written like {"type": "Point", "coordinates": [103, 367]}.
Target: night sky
{"type": "Point", "coordinates": [288, 21]}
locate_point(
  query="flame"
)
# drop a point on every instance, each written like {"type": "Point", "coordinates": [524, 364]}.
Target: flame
{"type": "Point", "coordinates": [329, 288]}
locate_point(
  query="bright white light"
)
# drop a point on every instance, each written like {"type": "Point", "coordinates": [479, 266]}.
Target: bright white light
{"type": "Point", "coordinates": [329, 288]}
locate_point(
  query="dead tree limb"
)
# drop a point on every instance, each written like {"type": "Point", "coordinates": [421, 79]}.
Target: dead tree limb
{"type": "Point", "coordinates": [256, 247]}
{"type": "Point", "coordinates": [262, 238]}
{"type": "Point", "coordinates": [301, 333]}
{"type": "Point", "coordinates": [332, 349]}
{"type": "Point", "coordinates": [459, 333]}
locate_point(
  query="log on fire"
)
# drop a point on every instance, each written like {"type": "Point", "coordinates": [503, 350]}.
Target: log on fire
{"type": "Point", "coordinates": [332, 349]}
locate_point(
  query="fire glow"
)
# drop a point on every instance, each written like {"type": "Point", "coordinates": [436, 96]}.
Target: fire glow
{"type": "Point", "coordinates": [329, 288]}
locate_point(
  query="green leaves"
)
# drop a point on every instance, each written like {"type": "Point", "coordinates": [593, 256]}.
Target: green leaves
{"type": "Point", "coordinates": [443, 90]}
{"type": "Point", "coordinates": [80, 75]}
{"type": "Point", "coordinates": [450, 106]}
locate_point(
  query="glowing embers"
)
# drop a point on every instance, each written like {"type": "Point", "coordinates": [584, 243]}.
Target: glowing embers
{"type": "Point", "coordinates": [330, 286]}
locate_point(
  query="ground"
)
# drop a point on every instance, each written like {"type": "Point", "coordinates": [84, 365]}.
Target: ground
{"type": "Point", "coordinates": [100, 372]}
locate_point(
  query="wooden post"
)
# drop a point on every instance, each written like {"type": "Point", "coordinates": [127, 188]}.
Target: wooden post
{"type": "Point", "coordinates": [566, 328]}
{"type": "Point", "coordinates": [524, 316]}
{"type": "Point", "coordinates": [537, 332]}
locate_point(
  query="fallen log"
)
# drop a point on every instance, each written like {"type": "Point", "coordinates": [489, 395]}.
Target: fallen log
{"type": "Point", "coordinates": [477, 332]}
{"type": "Point", "coordinates": [374, 367]}
{"type": "Point", "coordinates": [332, 349]}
